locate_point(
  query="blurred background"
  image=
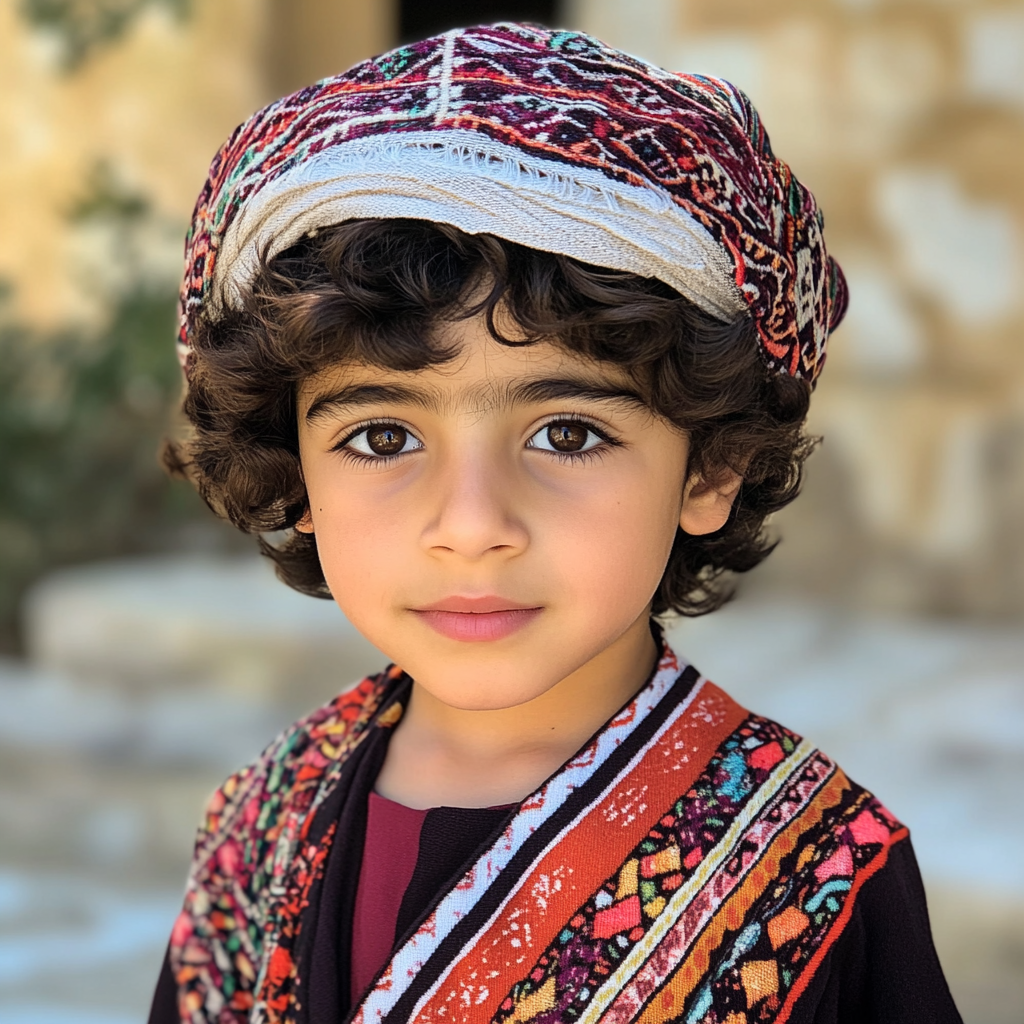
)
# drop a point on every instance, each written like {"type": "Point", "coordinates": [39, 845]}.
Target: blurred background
{"type": "Point", "coordinates": [887, 627]}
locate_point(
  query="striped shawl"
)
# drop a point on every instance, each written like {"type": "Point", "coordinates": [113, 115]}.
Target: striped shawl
{"type": "Point", "coordinates": [694, 862]}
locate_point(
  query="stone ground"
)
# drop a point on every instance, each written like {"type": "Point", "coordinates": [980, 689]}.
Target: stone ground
{"type": "Point", "coordinates": [106, 739]}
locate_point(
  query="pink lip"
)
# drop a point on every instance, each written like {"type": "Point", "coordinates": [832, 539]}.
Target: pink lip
{"type": "Point", "coordinates": [477, 619]}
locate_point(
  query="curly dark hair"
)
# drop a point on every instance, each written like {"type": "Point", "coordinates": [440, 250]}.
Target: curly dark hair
{"type": "Point", "coordinates": [375, 290]}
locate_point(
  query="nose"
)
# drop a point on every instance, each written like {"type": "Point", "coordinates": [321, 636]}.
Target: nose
{"type": "Point", "coordinates": [474, 511]}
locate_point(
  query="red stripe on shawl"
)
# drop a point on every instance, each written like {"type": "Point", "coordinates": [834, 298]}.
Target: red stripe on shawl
{"type": "Point", "coordinates": [837, 928]}
{"type": "Point", "coordinates": [594, 850]}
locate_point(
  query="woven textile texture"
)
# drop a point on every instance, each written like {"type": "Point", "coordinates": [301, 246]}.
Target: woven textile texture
{"type": "Point", "coordinates": [548, 139]}
{"type": "Point", "coordinates": [693, 863]}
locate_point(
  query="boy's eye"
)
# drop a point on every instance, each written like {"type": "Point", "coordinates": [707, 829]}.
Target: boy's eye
{"type": "Point", "coordinates": [565, 437]}
{"type": "Point", "coordinates": [384, 439]}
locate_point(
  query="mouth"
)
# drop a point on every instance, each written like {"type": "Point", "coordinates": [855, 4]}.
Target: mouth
{"type": "Point", "coordinates": [477, 619]}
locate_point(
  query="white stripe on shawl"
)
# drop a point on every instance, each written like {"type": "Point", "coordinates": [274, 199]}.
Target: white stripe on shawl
{"type": "Point", "coordinates": [407, 962]}
{"type": "Point", "coordinates": [627, 997]}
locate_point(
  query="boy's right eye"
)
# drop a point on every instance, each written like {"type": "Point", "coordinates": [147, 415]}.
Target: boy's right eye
{"type": "Point", "coordinates": [383, 440]}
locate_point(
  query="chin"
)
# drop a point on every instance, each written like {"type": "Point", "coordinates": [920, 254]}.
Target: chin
{"type": "Point", "coordinates": [484, 689]}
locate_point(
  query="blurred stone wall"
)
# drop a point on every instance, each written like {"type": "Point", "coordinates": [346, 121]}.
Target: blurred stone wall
{"type": "Point", "coordinates": [906, 118]}
{"type": "Point", "coordinates": [151, 107]}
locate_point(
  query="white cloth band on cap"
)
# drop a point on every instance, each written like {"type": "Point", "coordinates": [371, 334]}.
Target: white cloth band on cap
{"type": "Point", "coordinates": [480, 186]}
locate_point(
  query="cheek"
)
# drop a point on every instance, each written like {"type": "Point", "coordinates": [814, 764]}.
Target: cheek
{"type": "Point", "coordinates": [360, 544]}
{"type": "Point", "coordinates": [612, 546]}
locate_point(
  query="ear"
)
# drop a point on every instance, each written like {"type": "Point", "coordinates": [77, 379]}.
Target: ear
{"type": "Point", "coordinates": [305, 524]}
{"type": "Point", "coordinates": [706, 505]}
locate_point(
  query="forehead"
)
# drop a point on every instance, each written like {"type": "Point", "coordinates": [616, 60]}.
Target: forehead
{"type": "Point", "coordinates": [483, 374]}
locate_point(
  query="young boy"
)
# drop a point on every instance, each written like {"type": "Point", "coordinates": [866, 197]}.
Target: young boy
{"type": "Point", "coordinates": [513, 336]}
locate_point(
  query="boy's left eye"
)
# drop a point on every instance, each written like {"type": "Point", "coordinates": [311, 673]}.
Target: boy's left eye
{"type": "Point", "coordinates": [565, 437]}
{"type": "Point", "coordinates": [384, 440]}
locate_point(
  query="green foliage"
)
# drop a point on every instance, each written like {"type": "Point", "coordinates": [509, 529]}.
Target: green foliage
{"type": "Point", "coordinates": [106, 198]}
{"type": "Point", "coordinates": [84, 26]}
{"type": "Point", "coordinates": [80, 426]}
{"type": "Point", "coordinates": [82, 415]}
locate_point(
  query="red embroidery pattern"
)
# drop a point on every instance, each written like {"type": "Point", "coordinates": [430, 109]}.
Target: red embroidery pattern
{"type": "Point", "coordinates": [252, 868]}
{"type": "Point", "coordinates": [570, 102]}
{"type": "Point", "coordinates": [739, 852]}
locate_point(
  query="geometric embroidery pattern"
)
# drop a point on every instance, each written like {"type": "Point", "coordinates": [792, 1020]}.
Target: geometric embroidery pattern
{"type": "Point", "coordinates": [737, 849]}
{"type": "Point", "coordinates": [648, 158]}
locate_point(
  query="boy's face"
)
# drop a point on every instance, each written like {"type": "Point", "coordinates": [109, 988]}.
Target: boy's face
{"type": "Point", "coordinates": [495, 523]}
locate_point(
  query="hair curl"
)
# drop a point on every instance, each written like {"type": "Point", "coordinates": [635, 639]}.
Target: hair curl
{"type": "Point", "coordinates": [376, 290]}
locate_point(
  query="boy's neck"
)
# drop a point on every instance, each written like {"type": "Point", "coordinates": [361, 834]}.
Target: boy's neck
{"type": "Point", "coordinates": [445, 756]}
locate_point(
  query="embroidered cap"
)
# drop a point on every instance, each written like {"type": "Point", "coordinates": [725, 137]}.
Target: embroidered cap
{"type": "Point", "coordinates": [548, 139]}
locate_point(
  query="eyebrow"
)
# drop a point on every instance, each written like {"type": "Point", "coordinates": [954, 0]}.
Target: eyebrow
{"type": "Point", "coordinates": [547, 389]}
{"type": "Point", "coordinates": [369, 394]}
{"type": "Point", "coordinates": [541, 389]}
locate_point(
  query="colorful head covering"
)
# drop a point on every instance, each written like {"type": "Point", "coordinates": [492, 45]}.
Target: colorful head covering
{"type": "Point", "coordinates": [548, 139]}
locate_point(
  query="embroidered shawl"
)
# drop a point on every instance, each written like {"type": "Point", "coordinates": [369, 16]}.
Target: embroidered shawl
{"type": "Point", "coordinates": [694, 862]}
{"type": "Point", "coordinates": [549, 139]}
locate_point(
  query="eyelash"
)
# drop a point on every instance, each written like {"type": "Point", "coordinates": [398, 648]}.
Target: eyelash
{"type": "Point", "coordinates": [598, 451]}
{"type": "Point", "coordinates": [379, 461]}
{"type": "Point", "coordinates": [589, 454]}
